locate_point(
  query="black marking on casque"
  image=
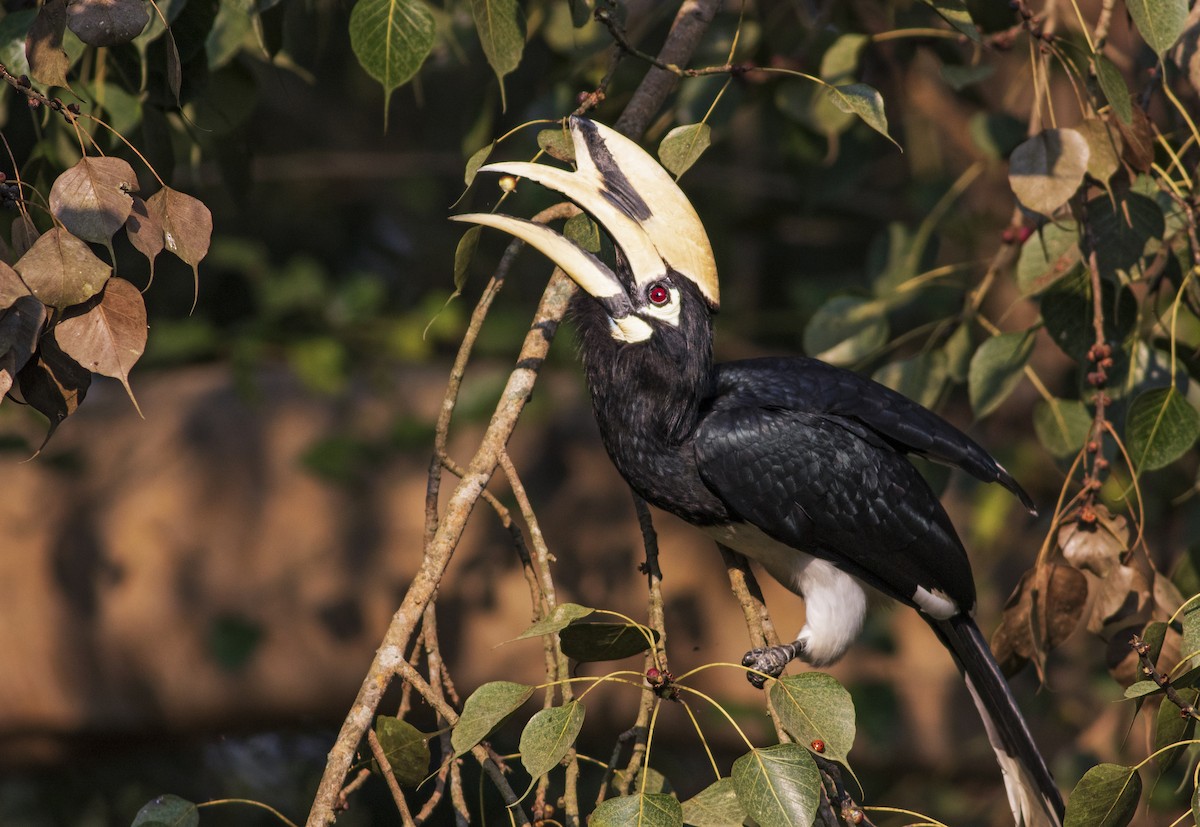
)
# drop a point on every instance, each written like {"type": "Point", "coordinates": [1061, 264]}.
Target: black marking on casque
{"type": "Point", "coordinates": [617, 188]}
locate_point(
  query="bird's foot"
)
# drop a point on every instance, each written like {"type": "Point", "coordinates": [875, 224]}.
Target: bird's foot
{"type": "Point", "coordinates": [770, 661]}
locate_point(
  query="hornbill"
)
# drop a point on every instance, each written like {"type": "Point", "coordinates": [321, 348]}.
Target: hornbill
{"type": "Point", "coordinates": [797, 464]}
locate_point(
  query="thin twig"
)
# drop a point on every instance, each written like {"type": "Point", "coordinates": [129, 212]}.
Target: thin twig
{"type": "Point", "coordinates": [343, 802]}
{"type": "Point", "coordinates": [1142, 648]}
{"type": "Point", "coordinates": [386, 768]}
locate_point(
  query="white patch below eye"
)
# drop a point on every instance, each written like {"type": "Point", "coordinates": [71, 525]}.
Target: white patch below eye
{"type": "Point", "coordinates": [630, 329]}
{"type": "Point", "coordinates": [668, 312]}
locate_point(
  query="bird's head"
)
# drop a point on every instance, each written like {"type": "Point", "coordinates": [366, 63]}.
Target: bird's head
{"type": "Point", "coordinates": [665, 270]}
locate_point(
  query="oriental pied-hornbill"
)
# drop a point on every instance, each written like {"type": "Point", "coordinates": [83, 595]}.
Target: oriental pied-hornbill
{"type": "Point", "coordinates": [796, 464]}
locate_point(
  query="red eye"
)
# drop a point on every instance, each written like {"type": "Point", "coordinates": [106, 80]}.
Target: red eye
{"type": "Point", "coordinates": [659, 295]}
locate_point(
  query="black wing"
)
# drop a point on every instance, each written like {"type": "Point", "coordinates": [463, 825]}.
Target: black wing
{"type": "Point", "coordinates": [821, 484]}
{"type": "Point", "coordinates": [808, 385]}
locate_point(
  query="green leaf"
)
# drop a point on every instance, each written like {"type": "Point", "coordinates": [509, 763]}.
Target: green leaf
{"type": "Point", "coordinates": [1160, 22]}
{"type": "Point", "coordinates": [1047, 169]}
{"type": "Point", "coordinates": [716, 805]}
{"type": "Point", "coordinates": [1062, 425]}
{"type": "Point", "coordinates": [13, 29]}
{"type": "Point", "coordinates": [1141, 689]}
{"type": "Point", "coordinates": [1067, 311]}
{"type": "Point", "coordinates": [564, 614]}
{"type": "Point", "coordinates": [391, 39]}
{"type": "Point", "coordinates": [167, 811]}
{"type": "Point", "coordinates": [683, 146]}
{"type": "Point", "coordinates": [1047, 256]}
{"type": "Point", "coordinates": [1112, 84]}
{"type": "Point", "coordinates": [955, 13]}
{"type": "Point", "coordinates": [920, 378]}
{"type": "Point", "coordinates": [996, 135]}
{"type": "Point", "coordinates": [839, 63]}
{"type": "Point", "coordinates": [476, 160]}
{"type": "Point", "coordinates": [1191, 631]}
{"type": "Point", "coordinates": [649, 810]}
{"type": "Point", "coordinates": [778, 785]}
{"type": "Point", "coordinates": [996, 370]}
{"type": "Point", "coordinates": [485, 710]}
{"type": "Point", "coordinates": [557, 143]}
{"type": "Point", "coordinates": [1122, 231]}
{"type": "Point", "coordinates": [406, 749]}
{"type": "Point", "coordinates": [583, 231]}
{"type": "Point", "coordinates": [959, 349]}
{"type": "Point", "coordinates": [845, 329]}
{"type": "Point", "coordinates": [813, 706]}
{"type": "Point", "coordinates": [1160, 427]}
{"type": "Point", "coordinates": [960, 77]}
{"type": "Point", "coordinates": [548, 737]}
{"type": "Point", "coordinates": [864, 101]}
{"type": "Point", "coordinates": [588, 642]}
{"type": "Point", "coordinates": [502, 36]}
{"type": "Point", "coordinates": [1172, 726]}
{"type": "Point", "coordinates": [463, 254]}
{"type": "Point", "coordinates": [1106, 796]}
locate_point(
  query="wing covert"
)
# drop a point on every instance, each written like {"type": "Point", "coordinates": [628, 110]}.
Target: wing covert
{"type": "Point", "coordinates": [809, 385]}
{"type": "Point", "coordinates": [819, 487]}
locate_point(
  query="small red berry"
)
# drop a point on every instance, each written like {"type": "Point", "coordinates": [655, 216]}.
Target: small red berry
{"type": "Point", "coordinates": [818, 745]}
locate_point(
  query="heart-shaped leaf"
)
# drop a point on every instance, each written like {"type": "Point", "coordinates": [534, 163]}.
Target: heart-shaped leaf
{"type": "Point", "coordinates": [642, 810]}
{"type": "Point", "coordinates": [683, 146]}
{"type": "Point", "coordinates": [487, 707]}
{"type": "Point", "coordinates": [108, 337]}
{"type": "Point", "coordinates": [1047, 169]}
{"type": "Point", "coordinates": [1106, 796]}
{"type": "Point", "coordinates": [778, 785]}
{"type": "Point", "coordinates": [406, 749]}
{"type": "Point", "coordinates": [92, 198]}
{"type": "Point", "coordinates": [813, 707]}
{"type": "Point", "coordinates": [61, 270]}
{"type": "Point", "coordinates": [548, 737]}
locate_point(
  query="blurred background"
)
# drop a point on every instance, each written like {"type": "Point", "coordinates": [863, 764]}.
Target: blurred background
{"type": "Point", "coordinates": [189, 600]}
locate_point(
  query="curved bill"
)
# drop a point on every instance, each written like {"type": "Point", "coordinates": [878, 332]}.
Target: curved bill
{"type": "Point", "coordinates": [589, 272]}
{"type": "Point", "coordinates": [636, 201]}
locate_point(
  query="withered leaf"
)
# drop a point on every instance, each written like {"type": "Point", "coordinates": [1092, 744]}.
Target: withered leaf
{"type": "Point", "coordinates": [1138, 140]}
{"type": "Point", "coordinates": [53, 383]}
{"type": "Point", "coordinates": [92, 198]}
{"type": "Point", "coordinates": [61, 270]}
{"type": "Point", "coordinates": [107, 22]}
{"type": "Point", "coordinates": [11, 286]}
{"type": "Point", "coordinates": [1122, 599]}
{"type": "Point", "coordinates": [1095, 547]}
{"type": "Point", "coordinates": [48, 63]}
{"type": "Point", "coordinates": [186, 223]}
{"type": "Point", "coordinates": [109, 336]}
{"type": "Point", "coordinates": [24, 233]}
{"type": "Point", "coordinates": [20, 328]}
{"type": "Point", "coordinates": [1042, 612]}
{"type": "Point", "coordinates": [145, 231]}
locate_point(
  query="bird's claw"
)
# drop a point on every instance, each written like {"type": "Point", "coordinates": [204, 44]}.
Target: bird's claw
{"type": "Point", "coordinates": [770, 661]}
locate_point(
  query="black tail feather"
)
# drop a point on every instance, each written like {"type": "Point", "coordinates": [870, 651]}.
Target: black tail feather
{"type": "Point", "coordinates": [1032, 793]}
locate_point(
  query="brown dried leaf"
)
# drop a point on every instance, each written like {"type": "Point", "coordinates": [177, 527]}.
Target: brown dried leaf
{"type": "Point", "coordinates": [11, 286]}
{"type": "Point", "coordinates": [1138, 139]}
{"type": "Point", "coordinates": [1042, 612]}
{"type": "Point", "coordinates": [107, 22]}
{"type": "Point", "coordinates": [61, 270]}
{"type": "Point", "coordinates": [24, 233]}
{"type": "Point", "coordinates": [53, 383]}
{"type": "Point", "coordinates": [48, 63]}
{"type": "Point", "coordinates": [1122, 599]}
{"type": "Point", "coordinates": [92, 198]}
{"type": "Point", "coordinates": [187, 226]}
{"type": "Point", "coordinates": [1095, 547]}
{"type": "Point", "coordinates": [174, 66]}
{"type": "Point", "coordinates": [20, 328]}
{"type": "Point", "coordinates": [109, 337]}
{"type": "Point", "coordinates": [145, 231]}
